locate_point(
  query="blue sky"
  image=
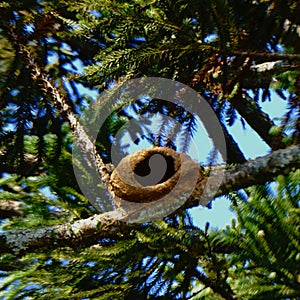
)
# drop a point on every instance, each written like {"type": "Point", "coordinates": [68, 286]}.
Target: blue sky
{"type": "Point", "coordinates": [252, 146]}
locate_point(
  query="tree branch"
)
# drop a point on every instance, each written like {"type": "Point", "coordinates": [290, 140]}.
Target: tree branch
{"type": "Point", "coordinates": [255, 171]}
{"type": "Point", "coordinates": [250, 110]}
{"type": "Point", "coordinates": [271, 67]}
{"type": "Point", "coordinates": [61, 103]}
{"type": "Point", "coordinates": [234, 153]}
{"type": "Point", "coordinates": [259, 121]}
{"type": "Point", "coordinates": [88, 231]}
{"type": "Point", "coordinates": [66, 111]}
{"type": "Point", "coordinates": [9, 208]}
{"type": "Point", "coordinates": [265, 55]}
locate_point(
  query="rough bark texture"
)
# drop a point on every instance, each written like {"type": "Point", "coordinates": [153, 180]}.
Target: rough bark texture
{"type": "Point", "coordinates": [73, 235]}
{"type": "Point", "coordinates": [88, 231]}
{"type": "Point", "coordinates": [262, 169]}
{"type": "Point", "coordinates": [253, 172]}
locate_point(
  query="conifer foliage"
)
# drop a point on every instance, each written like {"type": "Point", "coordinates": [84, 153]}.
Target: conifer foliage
{"type": "Point", "coordinates": [236, 54]}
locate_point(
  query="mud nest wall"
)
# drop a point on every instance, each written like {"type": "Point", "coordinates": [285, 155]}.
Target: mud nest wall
{"type": "Point", "coordinates": [151, 174]}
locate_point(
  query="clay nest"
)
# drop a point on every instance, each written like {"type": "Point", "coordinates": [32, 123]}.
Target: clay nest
{"type": "Point", "coordinates": [133, 178]}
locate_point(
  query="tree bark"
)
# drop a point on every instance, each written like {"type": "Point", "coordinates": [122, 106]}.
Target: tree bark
{"type": "Point", "coordinates": [259, 121]}
{"type": "Point", "coordinates": [89, 231]}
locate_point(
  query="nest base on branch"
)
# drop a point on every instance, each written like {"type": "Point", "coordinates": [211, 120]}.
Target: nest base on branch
{"type": "Point", "coordinates": [131, 180]}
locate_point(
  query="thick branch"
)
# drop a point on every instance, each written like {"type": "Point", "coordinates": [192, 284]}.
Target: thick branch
{"type": "Point", "coordinates": [262, 169]}
{"type": "Point", "coordinates": [61, 103]}
{"type": "Point", "coordinates": [234, 153]}
{"type": "Point", "coordinates": [272, 67]}
{"type": "Point", "coordinates": [250, 110]}
{"type": "Point", "coordinates": [79, 233]}
{"type": "Point", "coordinates": [254, 171]}
{"type": "Point", "coordinates": [66, 111]}
{"type": "Point", "coordinates": [259, 121]}
{"type": "Point", "coordinates": [9, 208]}
{"type": "Point", "coordinates": [257, 171]}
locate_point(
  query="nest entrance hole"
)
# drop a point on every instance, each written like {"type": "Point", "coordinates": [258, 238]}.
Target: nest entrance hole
{"type": "Point", "coordinates": [152, 164]}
